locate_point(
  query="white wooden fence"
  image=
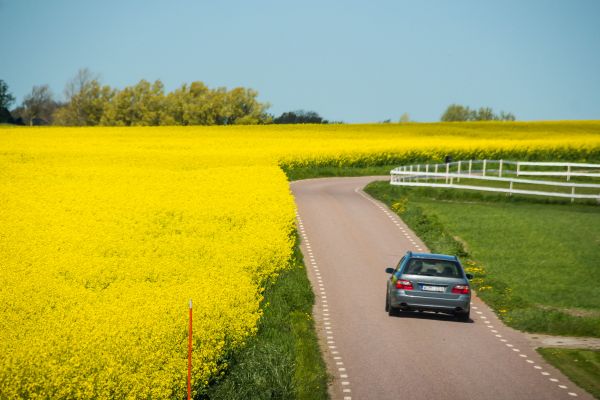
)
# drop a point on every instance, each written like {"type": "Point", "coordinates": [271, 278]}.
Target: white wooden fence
{"type": "Point", "coordinates": [509, 172]}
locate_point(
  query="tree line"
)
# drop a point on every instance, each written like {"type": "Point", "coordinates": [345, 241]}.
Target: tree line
{"type": "Point", "coordinates": [89, 103]}
{"type": "Point", "coordinates": [457, 112]}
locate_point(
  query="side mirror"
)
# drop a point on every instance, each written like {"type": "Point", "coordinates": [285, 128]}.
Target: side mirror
{"type": "Point", "coordinates": [469, 276]}
{"type": "Point", "coordinates": [389, 270]}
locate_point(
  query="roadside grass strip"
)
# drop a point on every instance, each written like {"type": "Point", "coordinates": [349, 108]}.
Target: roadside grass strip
{"type": "Point", "coordinates": [581, 366]}
{"type": "Point", "coordinates": [283, 360]}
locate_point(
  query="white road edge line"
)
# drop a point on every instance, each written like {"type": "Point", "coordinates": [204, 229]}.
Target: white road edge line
{"type": "Point", "coordinates": [325, 312]}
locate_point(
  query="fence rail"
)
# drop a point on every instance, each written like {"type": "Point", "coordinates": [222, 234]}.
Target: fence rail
{"type": "Point", "coordinates": [502, 171]}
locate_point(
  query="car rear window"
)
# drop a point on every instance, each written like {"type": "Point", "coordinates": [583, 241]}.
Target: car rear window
{"type": "Point", "coordinates": [448, 269]}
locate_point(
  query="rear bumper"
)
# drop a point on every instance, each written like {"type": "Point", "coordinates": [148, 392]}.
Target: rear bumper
{"type": "Point", "coordinates": [414, 301]}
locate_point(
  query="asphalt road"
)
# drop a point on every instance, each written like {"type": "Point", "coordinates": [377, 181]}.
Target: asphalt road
{"type": "Point", "coordinates": [347, 240]}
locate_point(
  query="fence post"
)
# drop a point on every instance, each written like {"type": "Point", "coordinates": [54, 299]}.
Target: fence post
{"type": "Point", "coordinates": [500, 169]}
{"type": "Point", "coordinates": [418, 172]}
{"type": "Point", "coordinates": [510, 189]}
{"type": "Point", "coordinates": [484, 162]}
{"type": "Point", "coordinates": [447, 171]}
{"type": "Point", "coordinates": [458, 178]}
{"type": "Point", "coordinates": [518, 168]}
{"type": "Point", "coordinates": [427, 173]}
{"type": "Point", "coordinates": [573, 194]}
{"type": "Point", "coordinates": [436, 170]}
{"type": "Point", "coordinates": [470, 166]}
{"type": "Point", "coordinates": [568, 172]}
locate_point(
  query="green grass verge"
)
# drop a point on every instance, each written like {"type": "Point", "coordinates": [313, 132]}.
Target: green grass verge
{"type": "Point", "coordinates": [537, 265]}
{"type": "Point", "coordinates": [307, 172]}
{"type": "Point", "coordinates": [581, 366]}
{"type": "Point", "coordinates": [283, 360]}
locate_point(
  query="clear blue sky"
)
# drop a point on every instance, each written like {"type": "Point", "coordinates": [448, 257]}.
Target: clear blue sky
{"type": "Point", "coordinates": [356, 61]}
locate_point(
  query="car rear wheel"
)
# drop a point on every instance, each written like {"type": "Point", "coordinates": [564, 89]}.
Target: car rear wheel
{"type": "Point", "coordinates": [388, 307]}
{"type": "Point", "coordinates": [464, 316]}
{"type": "Point", "coordinates": [387, 301]}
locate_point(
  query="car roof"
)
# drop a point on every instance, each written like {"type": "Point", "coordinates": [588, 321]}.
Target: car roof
{"type": "Point", "coordinates": [432, 256]}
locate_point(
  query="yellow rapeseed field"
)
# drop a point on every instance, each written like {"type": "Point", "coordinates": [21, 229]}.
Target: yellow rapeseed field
{"type": "Point", "coordinates": [105, 233]}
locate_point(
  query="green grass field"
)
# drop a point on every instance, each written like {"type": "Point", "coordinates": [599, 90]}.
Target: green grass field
{"type": "Point", "coordinates": [581, 366]}
{"type": "Point", "coordinates": [312, 171]}
{"type": "Point", "coordinates": [541, 262]}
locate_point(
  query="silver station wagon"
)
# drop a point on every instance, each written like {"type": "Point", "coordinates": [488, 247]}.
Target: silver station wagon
{"type": "Point", "coordinates": [429, 282]}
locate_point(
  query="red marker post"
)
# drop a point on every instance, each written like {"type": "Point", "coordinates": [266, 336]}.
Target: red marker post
{"type": "Point", "coordinates": [189, 377]}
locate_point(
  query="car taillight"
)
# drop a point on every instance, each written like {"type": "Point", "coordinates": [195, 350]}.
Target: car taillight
{"type": "Point", "coordinates": [404, 284]}
{"type": "Point", "coordinates": [461, 289]}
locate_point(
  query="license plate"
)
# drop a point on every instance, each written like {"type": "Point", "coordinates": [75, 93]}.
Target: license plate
{"type": "Point", "coordinates": [428, 288]}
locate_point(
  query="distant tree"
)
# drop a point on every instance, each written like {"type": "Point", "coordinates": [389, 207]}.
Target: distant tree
{"type": "Point", "coordinates": [139, 105]}
{"type": "Point", "coordinates": [243, 108]}
{"type": "Point", "coordinates": [86, 100]}
{"type": "Point", "coordinates": [484, 114]}
{"type": "Point", "coordinates": [190, 105]}
{"type": "Point", "coordinates": [300, 117]}
{"type": "Point", "coordinates": [80, 82]}
{"type": "Point", "coordinates": [404, 118]}
{"type": "Point", "coordinates": [506, 116]}
{"type": "Point", "coordinates": [456, 112]}
{"type": "Point", "coordinates": [6, 100]}
{"type": "Point", "coordinates": [218, 109]}
{"type": "Point", "coordinates": [38, 106]}
{"type": "Point", "coordinates": [6, 116]}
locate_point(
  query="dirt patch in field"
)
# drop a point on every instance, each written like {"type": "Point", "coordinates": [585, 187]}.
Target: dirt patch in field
{"type": "Point", "coordinates": [566, 342]}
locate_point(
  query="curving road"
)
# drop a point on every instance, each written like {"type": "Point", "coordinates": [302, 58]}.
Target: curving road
{"type": "Point", "coordinates": [347, 240]}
